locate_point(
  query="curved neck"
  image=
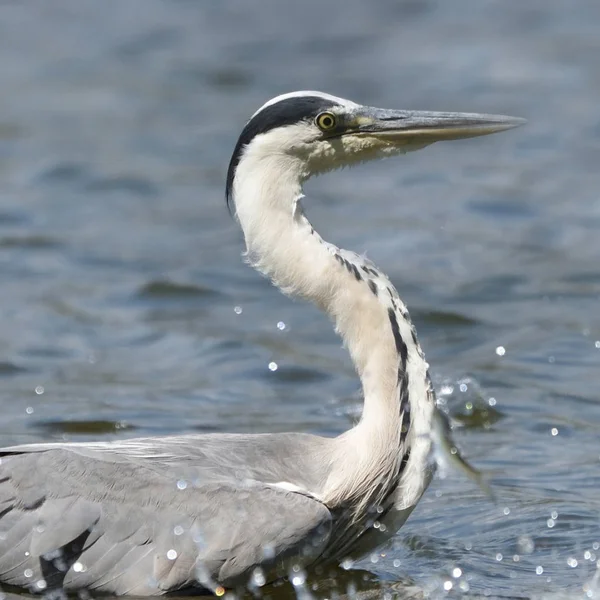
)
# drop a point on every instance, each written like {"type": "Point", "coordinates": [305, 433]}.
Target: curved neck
{"type": "Point", "coordinates": [365, 307]}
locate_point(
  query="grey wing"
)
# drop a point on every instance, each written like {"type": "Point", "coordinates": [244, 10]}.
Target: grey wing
{"type": "Point", "coordinates": [70, 521]}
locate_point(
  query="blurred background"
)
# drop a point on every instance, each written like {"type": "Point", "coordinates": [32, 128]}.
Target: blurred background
{"type": "Point", "coordinates": [125, 308]}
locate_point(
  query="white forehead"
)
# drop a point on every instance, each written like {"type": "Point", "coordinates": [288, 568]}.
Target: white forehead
{"type": "Point", "coordinates": [308, 93]}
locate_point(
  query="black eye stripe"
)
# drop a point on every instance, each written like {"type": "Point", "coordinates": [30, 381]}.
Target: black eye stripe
{"type": "Point", "coordinates": [285, 112]}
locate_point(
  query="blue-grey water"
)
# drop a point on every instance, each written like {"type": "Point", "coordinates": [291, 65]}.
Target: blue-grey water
{"type": "Point", "coordinates": [126, 310]}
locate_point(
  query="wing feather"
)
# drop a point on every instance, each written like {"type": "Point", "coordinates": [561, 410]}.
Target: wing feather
{"type": "Point", "coordinates": [116, 527]}
{"type": "Point", "coordinates": [60, 521]}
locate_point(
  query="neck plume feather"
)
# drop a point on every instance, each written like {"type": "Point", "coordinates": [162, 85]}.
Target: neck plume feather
{"type": "Point", "coordinates": [393, 433]}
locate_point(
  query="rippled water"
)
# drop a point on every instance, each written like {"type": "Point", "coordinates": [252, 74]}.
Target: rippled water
{"type": "Point", "coordinates": [120, 272]}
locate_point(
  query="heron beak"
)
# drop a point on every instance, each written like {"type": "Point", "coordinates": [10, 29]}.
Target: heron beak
{"type": "Point", "coordinates": [405, 126]}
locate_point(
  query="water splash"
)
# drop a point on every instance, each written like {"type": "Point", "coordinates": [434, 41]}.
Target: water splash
{"type": "Point", "coordinates": [446, 453]}
{"type": "Point", "coordinates": [297, 577]}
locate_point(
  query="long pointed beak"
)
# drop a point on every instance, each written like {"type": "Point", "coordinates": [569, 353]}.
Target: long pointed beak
{"type": "Point", "coordinates": [428, 127]}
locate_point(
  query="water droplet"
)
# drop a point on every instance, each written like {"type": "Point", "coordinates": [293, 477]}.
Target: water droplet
{"type": "Point", "coordinates": [298, 579]}
{"type": "Point", "coordinates": [28, 573]}
{"type": "Point", "coordinates": [597, 344]}
{"type": "Point", "coordinates": [596, 546]}
{"type": "Point", "coordinates": [281, 325]}
{"type": "Point", "coordinates": [539, 570]}
{"type": "Point", "coordinates": [39, 390]}
{"type": "Point", "coordinates": [463, 387]}
{"type": "Point", "coordinates": [41, 584]}
{"type": "Point", "coordinates": [550, 523]}
{"type": "Point", "coordinates": [172, 554]}
{"type": "Point", "coordinates": [446, 390]}
{"type": "Point", "coordinates": [178, 530]}
{"type": "Point", "coordinates": [516, 558]}
{"type": "Point", "coordinates": [464, 586]}
{"type": "Point", "coordinates": [469, 546]}
{"type": "Point", "coordinates": [396, 563]}
{"type": "Point", "coordinates": [237, 310]}
{"type": "Point", "coordinates": [554, 431]}
{"type": "Point", "coordinates": [525, 544]}
{"type": "Point", "coordinates": [492, 401]}
{"type": "Point", "coordinates": [499, 557]}
{"type": "Point", "coordinates": [273, 366]}
{"type": "Point", "coordinates": [448, 585]}
{"type": "Point", "coordinates": [29, 410]}
{"type": "Point", "coordinates": [554, 515]}
{"type": "Point", "coordinates": [500, 350]}
{"type": "Point", "coordinates": [572, 562]}
{"type": "Point", "coordinates": [456, 572]}
{"type": "Point", "coordinates": [198, 538]}
{"type": "Point", "coordinates": [587, 555]}
{"type": "Point", "coordinates": [374, 558]}
{"type": "Point", "coordinates": [506, 510]}
{"type": "Point", "coordinates": [258, 577]}
{"type": "Point", "coordinates": [347, 564]}
{"type": "Point", "coordinates": [78, 567]}
{"type": "Point", "coordinates": [469, 405]}
{"type": "Point", "coordinates": [61, 565]}
{"type": "Point", "coordinates": [268, 551]}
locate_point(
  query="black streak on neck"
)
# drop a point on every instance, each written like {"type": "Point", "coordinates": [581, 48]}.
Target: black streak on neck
{"type": "Point", "coordinates": [400, 345]}
{"type": "Point", "coordinates": [403, 380]}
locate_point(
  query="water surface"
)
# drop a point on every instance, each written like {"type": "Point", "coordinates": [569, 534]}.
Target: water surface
{"type": "Point", "coordinates": [126, 309]}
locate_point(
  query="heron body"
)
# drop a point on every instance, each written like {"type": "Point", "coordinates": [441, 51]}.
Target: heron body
{"type": "Point", "coordinates": [154, 515]}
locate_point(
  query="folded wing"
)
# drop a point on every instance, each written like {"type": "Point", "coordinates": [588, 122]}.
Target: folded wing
{"type": "Point", "coordinates": [83, 521]}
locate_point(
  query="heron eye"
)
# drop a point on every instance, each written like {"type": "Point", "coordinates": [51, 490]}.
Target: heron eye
{"type": "Point", "coordinates": [325, 121]}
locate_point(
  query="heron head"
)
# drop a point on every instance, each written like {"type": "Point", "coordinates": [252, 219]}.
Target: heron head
{"type": "Point", "coordinates": [312, 132]}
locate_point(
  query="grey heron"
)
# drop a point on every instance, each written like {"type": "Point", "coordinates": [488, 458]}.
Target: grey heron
{"type": "Point", "coordinates": [211, 512]}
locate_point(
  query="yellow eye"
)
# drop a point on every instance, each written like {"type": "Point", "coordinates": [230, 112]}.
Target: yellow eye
{"type": "Point", "coordinates": [325, 121]}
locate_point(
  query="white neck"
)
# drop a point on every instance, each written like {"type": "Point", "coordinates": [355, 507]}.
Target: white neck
{"type": "Point", "coordinates": [364, 306]}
